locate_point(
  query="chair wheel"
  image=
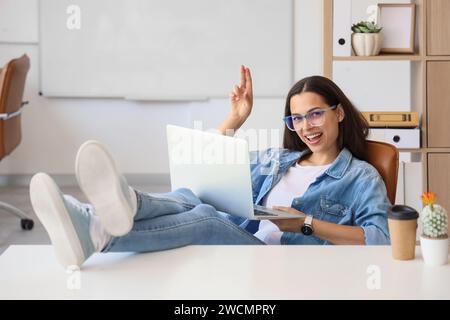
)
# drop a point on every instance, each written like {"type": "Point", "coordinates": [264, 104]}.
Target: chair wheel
{"type": "Point", "coordinates": [27, 224]}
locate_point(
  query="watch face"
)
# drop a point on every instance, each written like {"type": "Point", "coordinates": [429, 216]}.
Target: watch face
{"type": "Point", "coordinates": [307, 230]}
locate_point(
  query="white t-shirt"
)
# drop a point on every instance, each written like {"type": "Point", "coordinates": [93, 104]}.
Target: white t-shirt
{"type": "Point", "coordinates": [292, 185]}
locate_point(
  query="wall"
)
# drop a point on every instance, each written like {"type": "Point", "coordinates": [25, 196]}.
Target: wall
{"type": "Point", "coordinates": [53, 129]}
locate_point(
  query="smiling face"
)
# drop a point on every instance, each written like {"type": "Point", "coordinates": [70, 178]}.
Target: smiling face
{"type": "Point", "coordinates": [322, 139]}
{"type": "Point", "coordinates": [343, 127]}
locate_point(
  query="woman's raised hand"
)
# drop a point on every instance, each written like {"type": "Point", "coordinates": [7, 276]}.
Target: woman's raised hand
{"type": "Point", "coordinates": [241, 101]}
{"type": "Point", "coordinates": [241, 98]}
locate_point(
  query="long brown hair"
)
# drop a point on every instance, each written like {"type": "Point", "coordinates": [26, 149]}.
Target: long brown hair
{"type": "Point", "coordinates": [353, 130]}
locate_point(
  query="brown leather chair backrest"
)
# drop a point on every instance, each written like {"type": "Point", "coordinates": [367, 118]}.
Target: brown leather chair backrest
{"type": "Point", "coordinates": [12, 84]}
{"type": "Point", "coordinates": [384, 157]}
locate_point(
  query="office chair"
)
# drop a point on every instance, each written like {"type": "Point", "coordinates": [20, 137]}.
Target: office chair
{"type": "Point", "coordinates": [12, 84]}
{"type": "Point", "coordinates": [384, 157]}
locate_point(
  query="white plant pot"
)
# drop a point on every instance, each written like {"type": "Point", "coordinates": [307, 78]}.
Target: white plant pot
{"type": "Point", "coordinates": [434, 251]}
{"type": "Point", "coordinates": [367, 44]}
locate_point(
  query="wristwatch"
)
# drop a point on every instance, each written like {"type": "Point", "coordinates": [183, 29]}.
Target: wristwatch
{"type": "Point", "coordinates": [307, 228]}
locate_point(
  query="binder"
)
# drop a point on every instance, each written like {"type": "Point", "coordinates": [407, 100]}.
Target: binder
{"type": "Point", "coordinates": [342, 22]}
{"type": "Point", "coordinates": [389, 119]}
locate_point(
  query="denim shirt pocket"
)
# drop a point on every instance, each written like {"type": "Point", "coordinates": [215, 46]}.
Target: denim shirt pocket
{"type": "Point", "coordinates": [332, 210]}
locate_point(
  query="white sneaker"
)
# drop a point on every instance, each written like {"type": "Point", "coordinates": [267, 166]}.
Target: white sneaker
{"type": "Point", "coordinates": [107, 190]}
{"type": "Point", "coordinates": [67, 225]}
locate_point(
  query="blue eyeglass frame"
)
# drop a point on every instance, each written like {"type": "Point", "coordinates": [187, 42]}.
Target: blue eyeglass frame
{"type": "Point", "coordinates": [307, 115]}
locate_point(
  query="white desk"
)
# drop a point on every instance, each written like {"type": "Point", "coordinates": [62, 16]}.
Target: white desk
{"type": "Point", "coordinates": [224, 272]}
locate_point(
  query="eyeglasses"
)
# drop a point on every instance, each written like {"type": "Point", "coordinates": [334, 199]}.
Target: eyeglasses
{"type": "Point", "coordinates": [314, 118]}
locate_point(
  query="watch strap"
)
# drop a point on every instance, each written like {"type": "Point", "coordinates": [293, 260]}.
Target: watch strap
{"type": "Point", "coordinates": [308, 220]}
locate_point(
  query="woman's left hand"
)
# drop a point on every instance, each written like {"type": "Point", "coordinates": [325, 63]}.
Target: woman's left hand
{"type": "Point", "coordinates": [289, 225]}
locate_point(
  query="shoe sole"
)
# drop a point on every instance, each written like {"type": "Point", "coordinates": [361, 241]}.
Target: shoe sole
{"type": "Point", "coordinates": [99, 180]}
{"type": "Point", "coordinates": [49, 206]}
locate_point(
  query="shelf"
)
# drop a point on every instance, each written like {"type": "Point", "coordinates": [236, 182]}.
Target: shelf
{"type": "Point", "coordinates": [438, 150]}
{"type": "Point", "coordinates": [429, 92]}
{"type": "Point", "coordinates": [425, 150]}
{"type": "Point", "coordinates": [382, 57]}
{"type": "Point", "coordinates": [414, 150]}
{"type": "Point", "coordinates": [437, 58]}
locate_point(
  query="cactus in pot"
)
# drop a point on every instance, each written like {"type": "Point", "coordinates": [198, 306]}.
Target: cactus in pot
{"type": "Point", "coordinates": [434, 238]}
{"type": "Point", "coordinates": [433, 217]}
{"type": "Point", "coordinates": [366, 38]}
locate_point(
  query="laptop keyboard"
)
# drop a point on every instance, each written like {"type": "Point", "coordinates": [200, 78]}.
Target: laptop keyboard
{"type": "Point", "coordinates": [263, 211]}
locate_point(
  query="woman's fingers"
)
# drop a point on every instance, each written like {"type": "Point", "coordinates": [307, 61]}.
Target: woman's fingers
{"type": "Point", "coordinates": [237, 91]}
{"type": "Point", "coordinates": [243, 77]}
{"type": "Point", "coordinates": [248, 80]}
{"type": "Point", "coordinates": [244, 89]}
{"type": "Point", "coordinates": [235, 94]}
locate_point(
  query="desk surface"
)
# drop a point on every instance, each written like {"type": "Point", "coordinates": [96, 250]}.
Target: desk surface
{"type": "Point", "coordinates": [225, 272]}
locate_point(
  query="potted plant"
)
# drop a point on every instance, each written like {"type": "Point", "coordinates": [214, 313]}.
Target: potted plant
{"type": "Point", "coordinates": [434, 239]}
{"type": "Point", "coordinates": [366, 38]}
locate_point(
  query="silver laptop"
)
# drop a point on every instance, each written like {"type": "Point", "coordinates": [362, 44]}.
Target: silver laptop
{"type": "Point", "coordinates": [217, 169]}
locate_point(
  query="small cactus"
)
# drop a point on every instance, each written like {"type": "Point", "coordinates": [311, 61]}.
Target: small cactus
{"type": "Point", "coordinates": [366, 27]}
{"type": "Point", "coordinates": [433, 217]}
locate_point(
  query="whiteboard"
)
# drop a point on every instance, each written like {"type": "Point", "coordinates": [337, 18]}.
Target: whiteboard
{"type": "Point", "coordinates": [165, 49]}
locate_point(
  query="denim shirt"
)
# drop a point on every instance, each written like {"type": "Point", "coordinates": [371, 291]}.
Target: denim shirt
{"type": "Point", "coordinates": [350, 192]}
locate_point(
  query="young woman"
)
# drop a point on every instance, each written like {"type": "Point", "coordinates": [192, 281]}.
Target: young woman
{"type": "Point", "coordinates": [321, 172]}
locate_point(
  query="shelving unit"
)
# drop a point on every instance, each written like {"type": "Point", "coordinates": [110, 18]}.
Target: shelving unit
{"type": "Point", "coordinates": [430, 87]}
{"type": "Point", "coordinates": [405, 57]}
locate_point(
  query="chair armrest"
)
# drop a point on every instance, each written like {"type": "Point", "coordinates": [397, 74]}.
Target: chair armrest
{"type": "Point", "coordinates": [6, 116]}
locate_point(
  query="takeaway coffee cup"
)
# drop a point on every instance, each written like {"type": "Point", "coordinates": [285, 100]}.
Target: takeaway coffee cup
{"type": "Point", "coordinates": [402, 221]}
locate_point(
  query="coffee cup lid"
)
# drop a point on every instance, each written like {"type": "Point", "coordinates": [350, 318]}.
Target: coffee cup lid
{"type": "Point", "coordinates": [401, 212]}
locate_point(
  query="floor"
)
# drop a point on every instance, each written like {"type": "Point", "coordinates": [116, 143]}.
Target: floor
{"type": "Point", "coordinates": [10, 230]}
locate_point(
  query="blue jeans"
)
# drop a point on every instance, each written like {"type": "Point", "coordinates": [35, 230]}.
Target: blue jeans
{"type": "Point", "coordinates": [176, 219]}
